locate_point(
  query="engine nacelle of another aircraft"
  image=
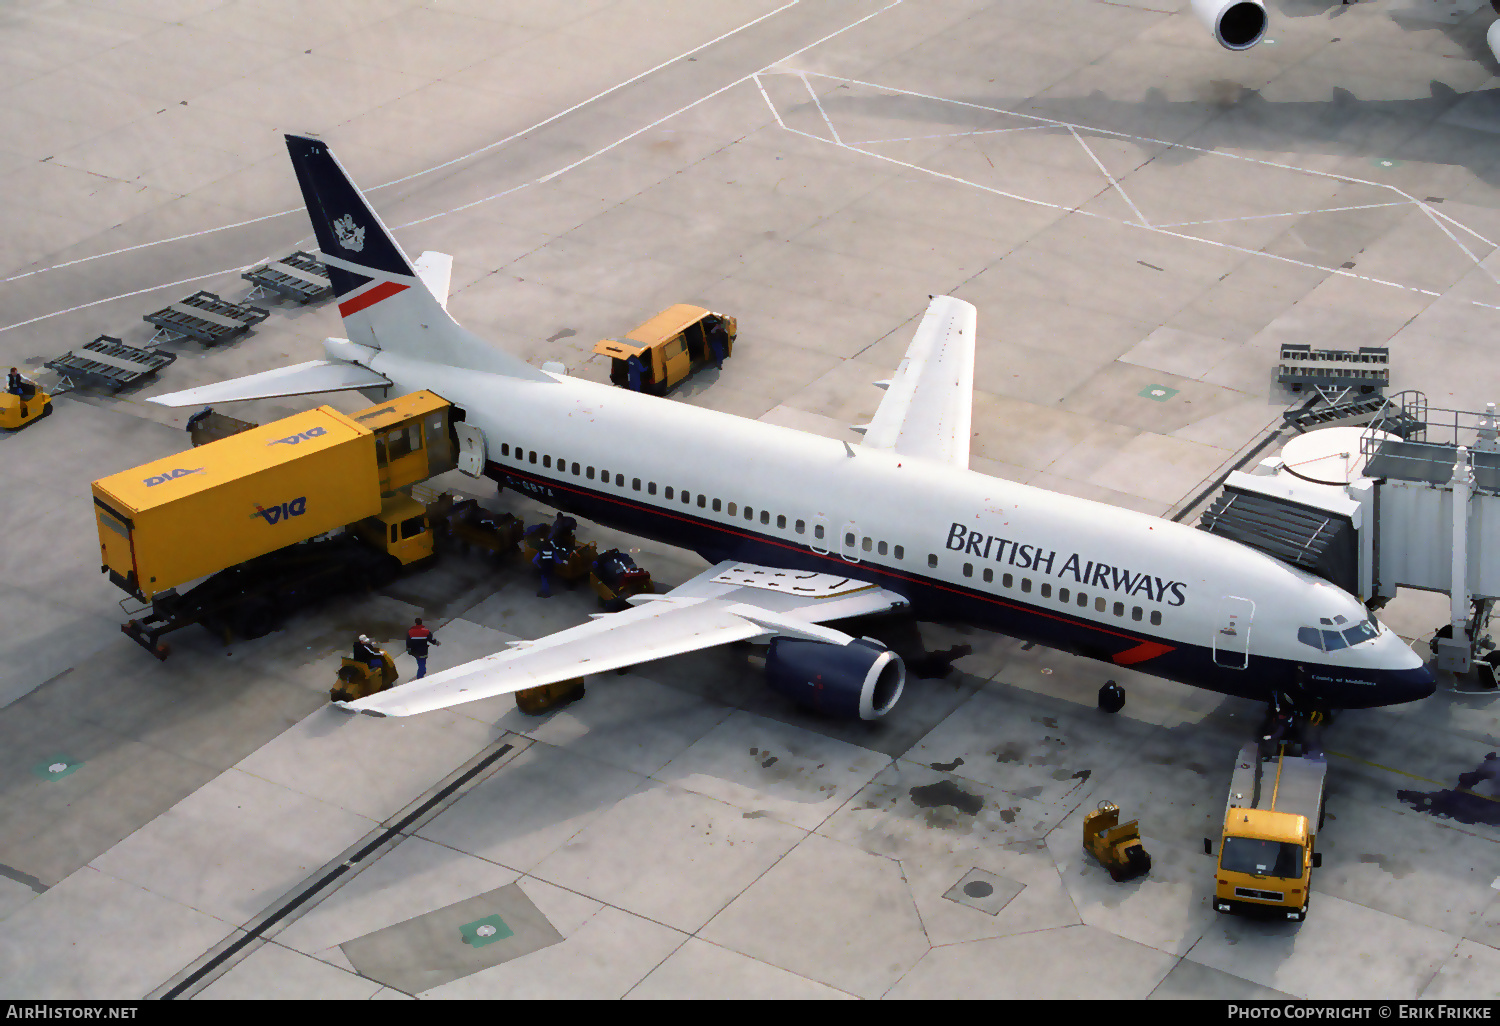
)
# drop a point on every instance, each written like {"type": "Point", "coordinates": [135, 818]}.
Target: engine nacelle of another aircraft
{"type": "Point", "coordinates": [1493, 36]}
{"type": "Point", "coordinates": [1236, 24]}
{"type": "Point", "coordinates": [863, 678]}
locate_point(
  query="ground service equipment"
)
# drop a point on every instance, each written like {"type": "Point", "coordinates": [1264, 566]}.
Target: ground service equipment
{"type": "Point", "coordinates": [357, 679]}
{"type": "Point", "coordinates": [1116, 845]}
{"type": "Point", "coordinates": [664, 350]}
{"type": "Point", "coordinates": [16, 411]}
{"type": "Point", "coordinates": [247, 512]}
{"type": "Point", "coordinates": [615, 577]}
{"type": "Point", "coordinates": [538, 700]}
{"type": "Point", "coordinates": [1275, 810]}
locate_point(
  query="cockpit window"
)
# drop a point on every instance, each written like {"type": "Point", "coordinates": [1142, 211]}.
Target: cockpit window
{"type": "Point", "coordinates": [1325, 640]}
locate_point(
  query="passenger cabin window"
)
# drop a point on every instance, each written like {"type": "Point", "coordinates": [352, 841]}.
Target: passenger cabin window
{"type": "Point", "coordinates": [968, 569]}
{"type": "Point", "coordinates": [1119, 609]}
{"type": "Point", "coordinates": [590, 474]}
{"type": "Point", "coordinates": [687, 498]}
{"type": "Point", "coordinates": [635, 484]}
{"type": "Point", "coordinates": [1156, 617]}
{"type": "Point", "coordinates": [1135, 612]}
{"type": "Point", "coordinates": [651, 488]}
{"type": "Point", "coordinates": [749, 513]}
{"type": "Point", "coordinates": [575, 470]}
{"type": "Point", "coordinates": [1026, 584]}
{"type": "Point", "coordinates": [703, 501]}
{"type": "Point", "coordinates": [716, 505]}
{"type": "Point", "coordinates": [881, 548]}
{"type": "Point", "coordinates": [780, 522]}
{"type": "Point", "coordinates": [546, 461]}
{"type": "Point", "coordinates": [619, 480]}
{"type": "Point", "coordinates": [1046, 590]}
{"type": "Point", "coordinates": [1063, 594]}
{"type": "Point", "coordinates": [765, 517]}
{"type": "Point", "coordinates": [932, 559]}
{"type": "Point", "coordinates": [732, 508]}
{"type": "Point", "coordinates": [989, 575]}
{"type": "Point", "coordinates": [531, 456]}
{"type": "Point", "coordinates": [667, 493]}
{"type": "Point", "coordinates": [817, 530]}
{"type": "Point", "coordinates": [867, 544]}
{"type": "Point", "coordinates": [1100, 604]}
{"type": "Point", "coordinates": [504, 448]}
{"type": "Point", "coordinates": [801, 527]}
{"type": "Point", "coordinates": [900, 552]}
{"type": "Point", "coordinates": [1007, 581]}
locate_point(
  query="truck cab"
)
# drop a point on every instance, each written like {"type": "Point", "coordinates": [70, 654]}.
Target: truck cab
{"type": "Point", "coordinates": [1266, 852]}
{"type": "Point", "coordinates": [663, 351]}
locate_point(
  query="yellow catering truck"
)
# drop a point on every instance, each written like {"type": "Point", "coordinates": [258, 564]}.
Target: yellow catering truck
{"type": "Point", "coordinates": [1271, 822]}
{"type": "Point", "coordinates": [248, 511]}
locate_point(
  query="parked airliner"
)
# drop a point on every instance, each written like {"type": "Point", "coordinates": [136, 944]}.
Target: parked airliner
{"type": "Point", "coordinates": [803, 530]}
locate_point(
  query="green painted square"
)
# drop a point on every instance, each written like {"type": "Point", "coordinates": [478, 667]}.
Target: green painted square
{"type": "Point", "coordinates": [485, 931]}
{"type": "Point", "coordinates": [56, 767]}
{"type": "Point", "coordinates": [1157, 393]}
{"type": "Point", "coordinates": [1385, 162]}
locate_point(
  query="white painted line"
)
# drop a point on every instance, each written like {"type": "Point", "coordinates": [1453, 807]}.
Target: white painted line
{"type": "Point", "coordinates": [716, 92]}
{"type": "Point", "coordinates": [819, 104]}
{"type": "Point", "coordinates": [1432, 216]}
{"type": "Point", "coordinates": [124, 295]}
{"type": "Point", "coordinates": [950, 135]}
{"type": "Point", "coordinates": [606, 149]}
{"type": "Point", "coordinates": [767, 98]}
{"type": "Point", "coordinates": [426, 171]}
{"type": "Point", "coordinates": [1460, 224]}
{"type": "Point", "coordinates": [1105, 172]}
{"type": "Point", "coordinates": [1289, 213]}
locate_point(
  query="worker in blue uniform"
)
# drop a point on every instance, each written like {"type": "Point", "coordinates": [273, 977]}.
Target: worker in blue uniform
{"type": "Point", "coordinates": [637, 370]}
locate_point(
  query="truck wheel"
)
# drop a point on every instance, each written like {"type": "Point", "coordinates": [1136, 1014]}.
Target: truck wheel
{"type": "Point", "coordinates": [1138, 861]}
{"type": "Point", "coordinates": [255, 621]}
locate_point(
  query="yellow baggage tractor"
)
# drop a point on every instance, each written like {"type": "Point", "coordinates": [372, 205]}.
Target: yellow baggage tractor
{"type": "Point", "coordinates": [18, 411]}
{"type": "Point", "coordinates": [1116, 845]}
{"type": "Point", "coordinates": [664, 350]}
{"type": "Point", "coordinates": [357, 680]}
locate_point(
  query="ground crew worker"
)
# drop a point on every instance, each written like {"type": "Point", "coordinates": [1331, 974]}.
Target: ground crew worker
{"type": "Point", "coordinates": [717, 344]}
{"type": "Point", "coordinates": [16, 384]}
{"type": "Point", "coordinates": [545, 557]}
{"type": "Point", "coordinates": [636, 369]}
{"type": "Point", "coordinates": [417, 640]}
{"type": "Point", "coordinates": [366, 652]}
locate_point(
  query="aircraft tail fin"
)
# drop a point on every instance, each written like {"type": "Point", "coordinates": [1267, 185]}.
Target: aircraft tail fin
{"type": "Point", "coordinates": [385, 300]}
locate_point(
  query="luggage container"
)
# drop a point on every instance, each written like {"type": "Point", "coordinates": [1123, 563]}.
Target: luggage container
{"type": "Point", "coordinates": [181, 517]}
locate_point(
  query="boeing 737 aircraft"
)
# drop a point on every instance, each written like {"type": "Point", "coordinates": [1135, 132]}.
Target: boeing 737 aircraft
{"type": "Point", "coordinates": [804, 530]}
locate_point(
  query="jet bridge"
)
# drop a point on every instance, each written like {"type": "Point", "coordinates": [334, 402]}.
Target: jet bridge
{"type": "Point", "coordinates": [1372, 510]}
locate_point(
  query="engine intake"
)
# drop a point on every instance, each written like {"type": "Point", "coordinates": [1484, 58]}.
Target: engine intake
{"type": "Point", "coordinates": [1236, 24]}
{"type": "Point", "coordinates": [862, 678]}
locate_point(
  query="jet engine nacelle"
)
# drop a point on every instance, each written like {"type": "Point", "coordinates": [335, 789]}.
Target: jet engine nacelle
{"type": "Point", "coordinates": [1236, 24]}
{"type": "Point", "coordinates": [1493, 36]}
{"type": "Point", "coordinates": [862, 678]}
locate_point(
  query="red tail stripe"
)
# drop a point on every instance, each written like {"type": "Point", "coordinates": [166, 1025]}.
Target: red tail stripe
{"type": "Point", "coordinates": [382, 291]}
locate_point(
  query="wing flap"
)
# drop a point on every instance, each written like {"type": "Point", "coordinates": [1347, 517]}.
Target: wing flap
{"type": "Point", "coordinates": [928, 404]}
{"type": "Point", "coordinates": [702, 613]}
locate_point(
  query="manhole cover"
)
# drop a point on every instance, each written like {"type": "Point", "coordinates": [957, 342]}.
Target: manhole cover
{"type": "Point", "coordinates": [978, 889]}
{"type": "Point", "coordinates": [987, 892]}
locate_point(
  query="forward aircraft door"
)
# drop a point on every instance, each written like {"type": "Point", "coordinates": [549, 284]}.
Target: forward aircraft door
{"type": "Point", "coordinates": [1232, 632]}
{"type": "Point", "coordinates": [471, 449]}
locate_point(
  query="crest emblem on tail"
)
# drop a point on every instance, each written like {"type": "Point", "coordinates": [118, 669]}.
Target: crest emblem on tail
{"type": "Point", "coordinates": [350, 235]}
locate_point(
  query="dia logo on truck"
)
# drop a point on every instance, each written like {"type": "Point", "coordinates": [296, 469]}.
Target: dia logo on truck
{"type": "Point", "coordinates": [300, 436]}
{"type": "Point", "coordinates": [171, 475]}
{"type": "Point", "coordinates": [286, 510]}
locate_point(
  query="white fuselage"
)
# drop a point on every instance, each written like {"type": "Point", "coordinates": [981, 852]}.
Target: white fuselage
{"type": "Point", "coordinates": [1103, 581]}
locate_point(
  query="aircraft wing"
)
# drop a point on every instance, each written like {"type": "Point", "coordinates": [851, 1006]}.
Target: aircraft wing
{"type": "Point", "coordinates": [728, 602]}
{"type": "Point", "coordinates": [928, 404]}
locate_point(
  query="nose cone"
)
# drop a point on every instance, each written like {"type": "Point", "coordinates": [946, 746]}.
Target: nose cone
{"type": "Point", "coordinates": [1397, 686]}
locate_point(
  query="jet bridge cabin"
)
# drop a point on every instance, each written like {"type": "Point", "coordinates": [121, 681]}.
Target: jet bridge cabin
{"type": "Point", "coordinates": [664, 350]}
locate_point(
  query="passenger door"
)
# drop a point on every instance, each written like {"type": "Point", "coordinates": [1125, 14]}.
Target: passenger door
{"type": "Point", "coordinates": [1232, 632]}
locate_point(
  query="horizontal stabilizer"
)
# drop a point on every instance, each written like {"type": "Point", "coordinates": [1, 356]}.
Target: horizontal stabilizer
{"type": "Point", "coordinates": [299, 379]}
